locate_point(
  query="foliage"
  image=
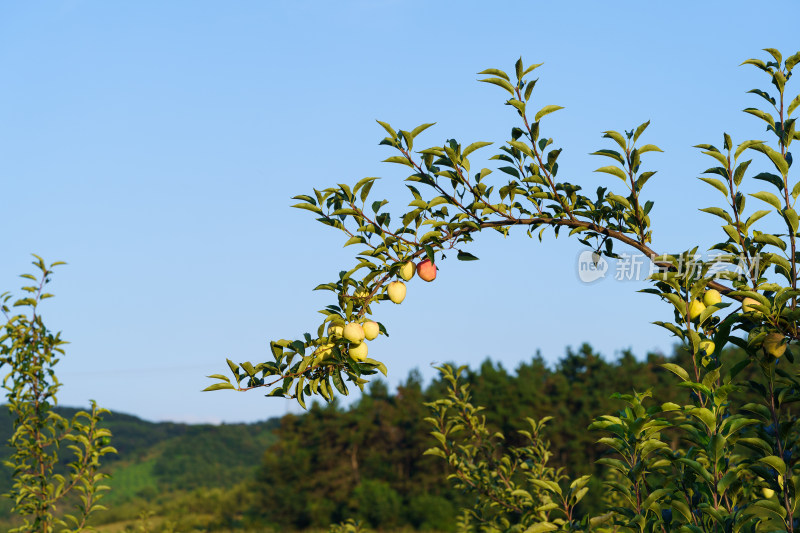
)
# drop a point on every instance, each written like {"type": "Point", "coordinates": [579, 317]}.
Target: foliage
{"type": "Point", "coordinates": [711, 479]}
{"type": "Point", "coordinates": [348, 526]}
{"type": "Point", "coordinates": [327, 453]}
{"type": "Point", "coordinates": [30, 352]}
{"type": "Point", "coordinates": [515, 490]}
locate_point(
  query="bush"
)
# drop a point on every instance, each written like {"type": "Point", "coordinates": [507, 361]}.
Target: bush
{"type": "Point", "coordinates": [431, 512]}
{"type": "Point", "coordinates": [377, 503]}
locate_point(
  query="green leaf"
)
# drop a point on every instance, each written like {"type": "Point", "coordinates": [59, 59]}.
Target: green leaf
{"type": "Point", "coordinates": [531, 68]}
{"type": "Point", "coordinates": [613, 154]}
{"type": "Point", "coordinates": [639, 131]}
{"type": "Point", "coordinates": [435, 451]}
{"type": "Point", "coordinates": [766, 238]}
{"type": "Point", "coordinates": [756, 216]}
{"type": "Point", "coordinates": [719, 212]}
{"type": "Point", "coordinates": [774, 53]}
{"type": "Point", "coordinates": [611, 134]}
{"type": "Point", "coordinates": [777, 159]}
{"type": "Point", "coordinates": [614, 171]}
{"type": "Point", "coordinates": [790, 215]}
{"type": "Point", "coordinates": [529, 89]}
{"type": "Point", "coordinates": [768, 197]}
{"type": "Point", "coordinates": [219, 386]}
{"type": "Point", "coordinates": [474, 146]}
{"type": "Point", "coordinates": [717, 184]}
{"type": "Point", "coordinates": [776, 463]}
{"type": "Point", "coordinates": [705, 416]}
{"type": "Point", "coordinates": [766, 117]}
{"type": "Point", "coordinates": [763, 95]}
{"type": "Point", "coordinates": [338, 382]}
{"type": "Point", "coordinates": [388, 128]}
{"type": "Point", "coordinates": [792, 60]}
{"type": "Point", "coordinates": [769, 177]}
{"type": "Point", "coordinates": [494, 72]}
{"type": "Point", "coordinates": [522, 147]}
{"type": "Point", "coordinates": [546, 110]}
{"type": "Point", "coordinates": [677, 370]}
{"type": "Point", "coordinates": [355, 239]}
{"type": "Point", "coordinates": [308, 207]}
{"type": "Point", "coordinates": [399, 159]}
{"type": "Point", "coordinates": [465, 256]}
{"type": "Point", "coordinates": [718, 156]}
{"type": "Point", "coordinates": [541, 527]}
{"type": "Point", "coordinates": [738, 174]}
{"type": "Point", "coordinates": [649, 148]}
{"type": "Point", "coordinates": [500, 83]}
{"type": "Point", "coordinates": [744, 146]}
{"type": "Point", "coordinates": [793, 104]}
{"type": "Point", "coordinates": [419, 129]}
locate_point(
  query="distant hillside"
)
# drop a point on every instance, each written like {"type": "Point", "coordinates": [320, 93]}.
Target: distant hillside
{"type": "Point", "coordinates": [162, 457]}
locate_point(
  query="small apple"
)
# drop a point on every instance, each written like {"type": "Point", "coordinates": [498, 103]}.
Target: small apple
{"type": "Point", "coordinates": [747, 306]}
{"type": "Point", "coordinates": [361, 293]}
{"type": "Point", "coordinates": [396, 291]}
{"type": "Point", "coordinates": [336, 328]}
{"type": "Point", "coordinates": [695, 309]}
{"type": "Point", "coordinates": [359, 351]}
{"type": "Point", "coordinates": [774, 344]}
{"type": "Point", "coordinates": [426, 270]}
{"type": "Point", "coordinates": [767, 492]}
{"type": "Point", "coordinates": [353, 332]}
{"type": "Point", "coordinates": [371, 330]}
{"type": "Point", "coordinates": [707, 346]}
{"type": "Point", "coordinates": [407, 270]}
{"type": "Point", "coordinates": [712, 297]}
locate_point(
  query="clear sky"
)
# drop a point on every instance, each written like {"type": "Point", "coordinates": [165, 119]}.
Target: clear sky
{"type": "Point", "coordinates": [154, 146]}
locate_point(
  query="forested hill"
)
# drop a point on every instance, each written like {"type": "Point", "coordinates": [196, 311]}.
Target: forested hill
{"type": "Point", "coordinates": [158, 458]}
{"type": "Point", "coordinates": [365, 461]}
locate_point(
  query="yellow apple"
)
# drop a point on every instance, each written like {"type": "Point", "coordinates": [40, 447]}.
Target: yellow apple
{"type": "Point", "coordinates": [774, 344]}
{"type": "Point", "coordinates": [353, 332]}
{"type": "Point", "coordinates": [359, 351]}
{"type": "Point", "coordinates": [426, 270]}
{"type": "Point", "coordinates": [768, 493]}
{"type": "Point", "coordinates": [336, 328]}
{"type": "Point", "coordinates": [396, 291]}
{"type": "Point", "coordinates": [711, 297]}
{"type": "Point", "coordinates": [707, 346]}
{"type": "Point", "coordinates": [371, 330]}
{"type": "Point", "coordinates": [696, 307]}
{"type": "Point", "coordinates": [361, 293]}
{"type": "Point", "coordinates": [407, 270]}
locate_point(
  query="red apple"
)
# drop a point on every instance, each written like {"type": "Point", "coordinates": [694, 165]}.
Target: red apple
{"type": "Point", "coordinates": [426, 270]}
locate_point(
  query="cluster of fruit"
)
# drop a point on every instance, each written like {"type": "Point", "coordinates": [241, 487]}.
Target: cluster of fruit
{"type": "Point", "coordinates": [426, 270]}
{"type": "Point", "coordinates": [356, 333]}
{"type": "Point", "coordinates": [696, 307]}
{"type": "Point", "coordinates": [774, 343]}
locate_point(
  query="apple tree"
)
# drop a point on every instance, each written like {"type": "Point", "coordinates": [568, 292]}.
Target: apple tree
{"type": "Point", "coordinates": [29, 352]}
{"type": "Point", "coordinates": [735, 468]}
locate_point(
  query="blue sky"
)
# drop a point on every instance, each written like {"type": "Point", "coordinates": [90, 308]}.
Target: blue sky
{"type": "Point", "coordinates": [154, 146]}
